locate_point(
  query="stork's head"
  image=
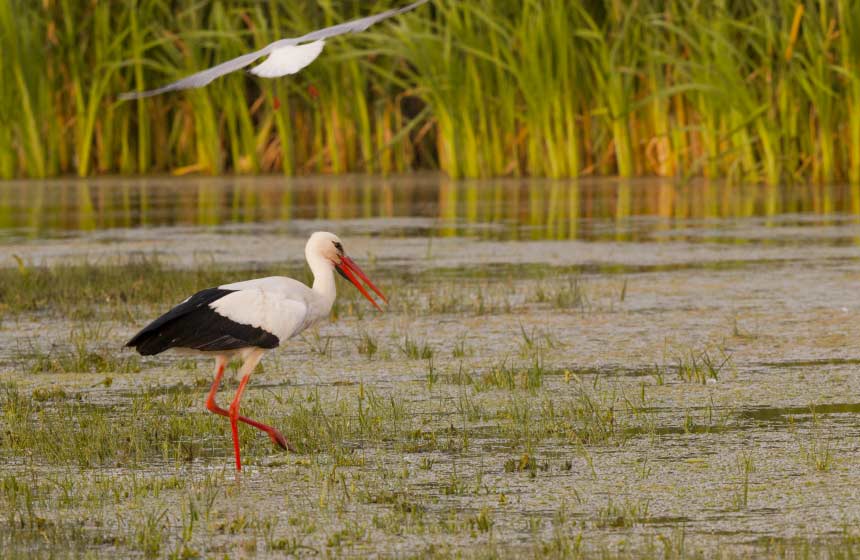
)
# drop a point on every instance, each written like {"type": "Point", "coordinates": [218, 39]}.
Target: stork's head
{"type": "Point", "coordinates": [329, 247]}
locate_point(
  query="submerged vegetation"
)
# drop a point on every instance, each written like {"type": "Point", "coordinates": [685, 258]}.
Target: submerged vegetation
{"type": "Point", "coordinates": [449, 442]}
{"type": "Point", "coordinates": [620, 409]}
{"type": "Point", "coordinates": [751, 91]}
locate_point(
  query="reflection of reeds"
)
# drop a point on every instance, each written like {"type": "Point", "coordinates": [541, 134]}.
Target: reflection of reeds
{"type": "Point", "coordinates": [540, 209]}
{"type": "Point", "coordinates": [761, 91]}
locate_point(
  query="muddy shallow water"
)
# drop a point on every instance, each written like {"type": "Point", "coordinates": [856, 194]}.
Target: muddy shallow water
{"type": "Point", "coordinates": [630, 369]}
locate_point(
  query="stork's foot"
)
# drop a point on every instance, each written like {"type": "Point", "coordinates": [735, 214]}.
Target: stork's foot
{"type": "Point", "coordinates": [279, 440]}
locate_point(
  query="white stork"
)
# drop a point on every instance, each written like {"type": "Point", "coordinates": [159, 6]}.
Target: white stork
{"type": "Point", "coordinates": [247, 318]}
{"type": "Point", "coordinates": [285, 56]}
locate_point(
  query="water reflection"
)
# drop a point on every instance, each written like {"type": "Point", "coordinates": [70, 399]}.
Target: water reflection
{"type": "Point", "coordinates": [509, 209]}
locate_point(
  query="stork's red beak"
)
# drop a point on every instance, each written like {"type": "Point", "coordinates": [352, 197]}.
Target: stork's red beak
{"type": "Point", "coordinates": [349, 270]}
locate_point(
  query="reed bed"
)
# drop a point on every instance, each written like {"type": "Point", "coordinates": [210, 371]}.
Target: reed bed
{"type": "Point", "coordinates": [754, 92]}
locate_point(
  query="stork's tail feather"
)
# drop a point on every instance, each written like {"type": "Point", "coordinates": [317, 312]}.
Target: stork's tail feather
{"type": "Point", "coordinates": [148, 343]}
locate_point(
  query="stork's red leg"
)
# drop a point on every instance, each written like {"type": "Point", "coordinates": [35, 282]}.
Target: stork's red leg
{"type": "Point", "coordinates": [234, 418]}
{"type": "Point", "coordinates": [211, 405]}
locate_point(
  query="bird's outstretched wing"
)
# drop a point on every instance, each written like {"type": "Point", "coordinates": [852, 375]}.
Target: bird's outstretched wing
{"type": "Point", "coordinates": [286, 56]}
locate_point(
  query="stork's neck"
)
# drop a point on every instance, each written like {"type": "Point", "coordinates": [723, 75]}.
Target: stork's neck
{"type": "Point", "coordinates": [324, 286]}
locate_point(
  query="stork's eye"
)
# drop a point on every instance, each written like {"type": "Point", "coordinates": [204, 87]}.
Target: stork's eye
{"type": "Point", "coordinates": [338, 246]}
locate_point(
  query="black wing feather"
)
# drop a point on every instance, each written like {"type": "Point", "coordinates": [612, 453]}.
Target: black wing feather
{"type": "Point", "coordinates": [195, 325]}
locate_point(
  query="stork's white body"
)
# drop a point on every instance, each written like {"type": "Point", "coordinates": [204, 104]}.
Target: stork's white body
{"type": "Point", "coordinates": [279, 305]}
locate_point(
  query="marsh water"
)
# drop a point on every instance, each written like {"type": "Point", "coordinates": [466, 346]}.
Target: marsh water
{"type": "Point", "coordinates": [595, 367]}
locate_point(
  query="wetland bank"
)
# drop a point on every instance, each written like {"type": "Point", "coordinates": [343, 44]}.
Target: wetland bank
{"type": "Point", "coordinates": [622, 369]}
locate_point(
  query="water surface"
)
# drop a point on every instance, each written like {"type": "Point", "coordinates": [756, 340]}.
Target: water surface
{"type": "Point", "coordinates": [593, 367]}
{"type": "Point", "coordinates": [422, 205]}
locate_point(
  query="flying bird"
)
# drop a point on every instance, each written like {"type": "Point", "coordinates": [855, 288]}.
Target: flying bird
{"type": "Point", "coordinates": [245, 319]}
{"type": "Point", "coordinates": [286, 56]}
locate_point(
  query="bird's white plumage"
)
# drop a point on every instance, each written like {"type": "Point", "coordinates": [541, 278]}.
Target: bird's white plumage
{"type": "Point", "coordinates": [272, 65]}
{"type": "Point", "coordinates": [265, 310]}
{"type": "Point", "coordinates": [288, 60]}
{"type": "Point", "coordinates": [277, 304]}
